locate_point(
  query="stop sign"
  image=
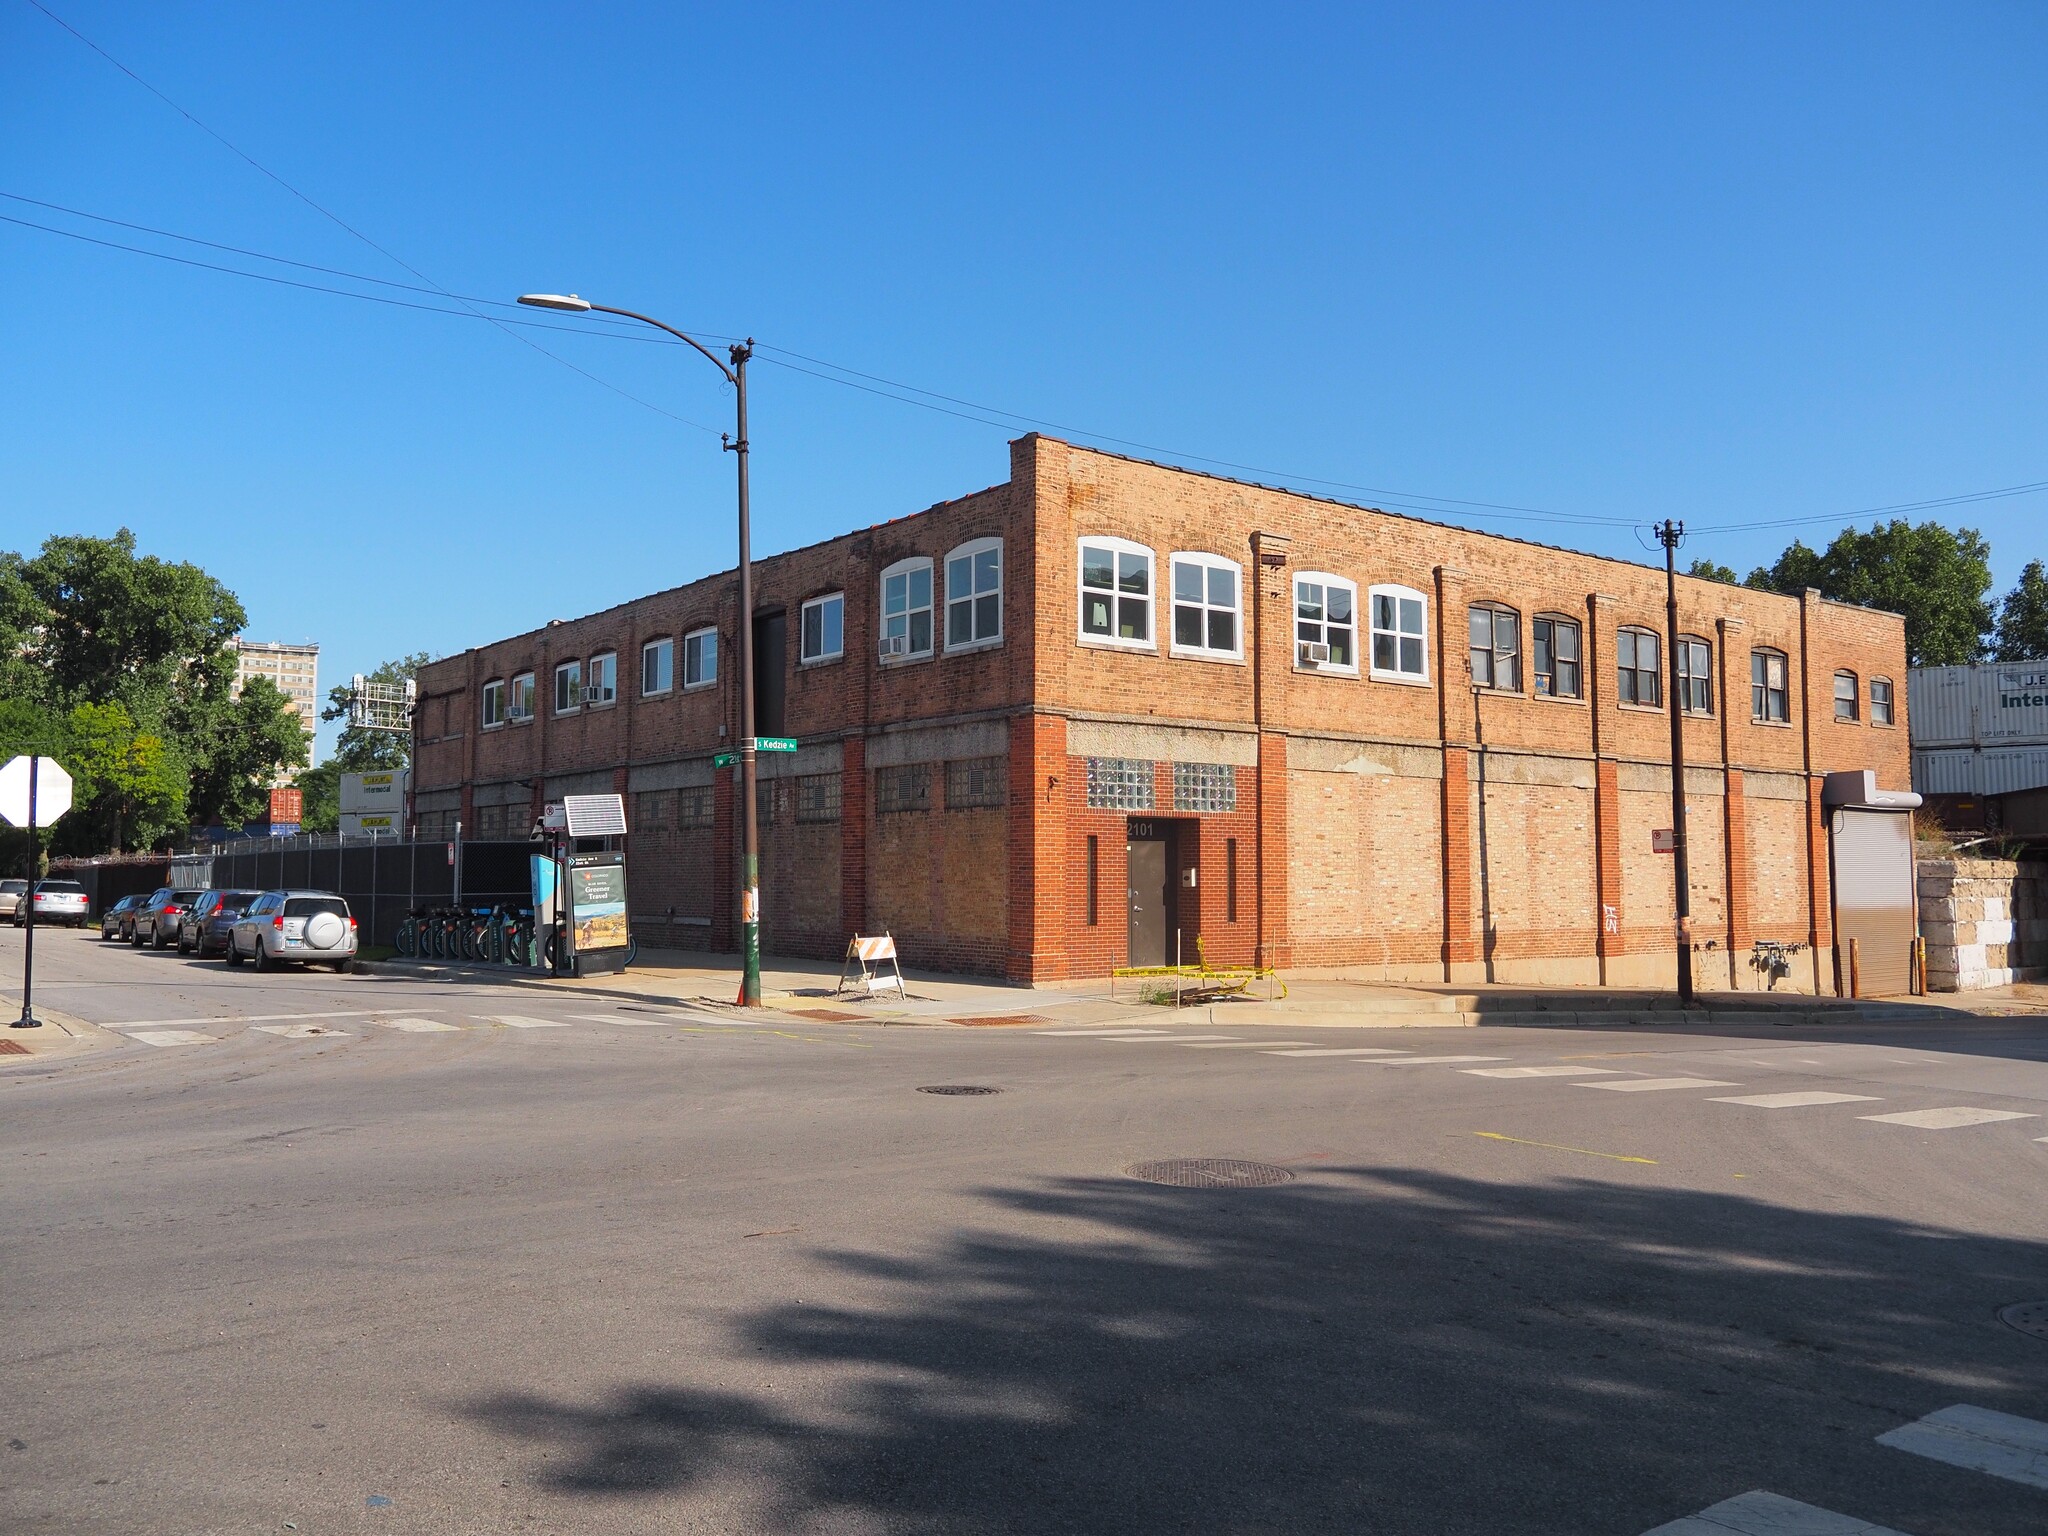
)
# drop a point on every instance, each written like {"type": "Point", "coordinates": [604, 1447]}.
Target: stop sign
{"type": "Point", "coordinates": [52, 786]}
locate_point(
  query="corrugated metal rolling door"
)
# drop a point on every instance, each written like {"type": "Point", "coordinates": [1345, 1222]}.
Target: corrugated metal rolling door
{"type": "Point", "coordinates": [1872, 855]}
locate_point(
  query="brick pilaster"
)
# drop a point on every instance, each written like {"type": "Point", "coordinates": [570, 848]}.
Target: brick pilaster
{"type": "Point", "coordinates": [1460, 948]}
{"type": "Point", "coordinates": [1042, 900]}
{"type": "Point", "coordinates": [853, 836]}
{"type": "Point", "coordinates": [1607, 856]}
{"type": "Point", "coordinates": [1270, 882]}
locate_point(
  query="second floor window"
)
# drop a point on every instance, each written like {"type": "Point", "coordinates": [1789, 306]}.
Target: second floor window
{"type": "Point", "coordinates": [824, 635]}
{"type": "Point", "coordinates": [1845, 695]}
{"type": "Point", "coordinates": [1116, 592]}
{"type": "Point", "coordinates": [494, 702]}
{"type": "Point", "coordinates": [1769, 698]}
{"type": "Point", "coordinates": [1638, 659]}
{"type": "Point", "coordinates": [700, 658]}
{"type": "Point", "coordinates": [1695, 676]}
{"type": "Point", "coordinates": [1325, 616]}
{"type": "Point", "coordinates": [568, 687]}
{"type": "Point", "coordinates": [974, 594]}
{"type": "Point", "coordinates": [657, 667]}
{"type": "Point", "coordinates": [1555, 652]}
{"type": "Point", "coordinates": [1880, 701]}
{"type": "Point", "coordinates": [1399, 647]}
{"type": "Point", "coordinates": [1496, 648]}
{"type": "Point", "coordinates": [519, 698]}
{"type": "Point", "coordinates": [907, 610]}
{"type": "Point", "coordinates": [601, 679]}
{"type": "Point", "coordinates": [1205, 606]}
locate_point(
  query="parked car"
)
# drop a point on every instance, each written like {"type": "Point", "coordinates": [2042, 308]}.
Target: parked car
{"type": "Point", "coordinates": [306, 927]}
{"type": "Point", "coordinates": [156, 922]}
{"type": "Point", "coordinates": [55, 901]}
{"type": "Point", "coordinates": [11, 892]}
{"type": "Point", "coordinates": [203, 931]}
{"type": "Point", "coordinates": [118, 921]}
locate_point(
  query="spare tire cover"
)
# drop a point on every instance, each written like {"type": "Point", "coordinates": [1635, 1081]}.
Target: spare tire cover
{"type": "Point", "coordinates": [324, 930]}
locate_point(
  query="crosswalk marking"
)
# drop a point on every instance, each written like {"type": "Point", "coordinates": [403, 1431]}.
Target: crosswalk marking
{"type": "Point", "coordinates": [1947, 1119]}
{"type": "Point", "coordinates": [1241, 1045]}
{"type": "Point", "coordinates": [1162, 1039]}
{"type": "Point", "coordinates": [173, 1037]}
{"type": "Point", "coordinates": [1540, 1071]}
{"type": "Point", "coordinates": [299, 1031]}
{"type": "Point", "coordinates": [1098, 1034]}
{"type": "Point", "coordinates": [251, 1018]}
{"type": "Point", "coordinates": [1428, 1061]}
{"type": "Point", "coordinates": [418, 1026]}
{"type": "Point", "coordinates": [1758, 1513]}
{"type": "Point", "coordinates": [1798, 1100]}
{"type": "Point", "coordinates": [1345, 1050]}
{"type": "Point", "coordinates": [522, 1021]}
{"type": "Point", "coordinates": [1979, 1439]}
{"type": "Point", "coordinates": [1658, 1084]}
{"type": "Point", "coordinates": [612, 1018]}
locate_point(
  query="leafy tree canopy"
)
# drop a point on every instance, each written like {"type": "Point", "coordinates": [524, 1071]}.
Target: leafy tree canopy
{"type": "Point", "coordinates": [2023, 618]}
{"type": "Point", "coordinates": [1936, 576]}
{"type": "Point", "coordinates": [1708, 570]}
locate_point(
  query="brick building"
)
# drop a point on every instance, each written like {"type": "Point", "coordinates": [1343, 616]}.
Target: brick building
{"type": "Point", "coordinates": [1064, 723]}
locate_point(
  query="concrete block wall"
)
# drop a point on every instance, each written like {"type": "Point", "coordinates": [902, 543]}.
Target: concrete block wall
{"type": "Point", "coordinates": [1984, 921]}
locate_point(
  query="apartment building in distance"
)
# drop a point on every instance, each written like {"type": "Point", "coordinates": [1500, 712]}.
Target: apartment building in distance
{"type": "Point", "coordinates": [294, 668]}
{"type": "Point", "coordinates": [1108, 710]}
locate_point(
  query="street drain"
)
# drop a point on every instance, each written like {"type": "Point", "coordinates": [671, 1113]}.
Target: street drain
{"type": "Point", "coordinates": [960, 1090]}
{"type": "Point", "coordinates": [2030, 1317]}
{"type": "Point", "coordinates": [1210, 1173]}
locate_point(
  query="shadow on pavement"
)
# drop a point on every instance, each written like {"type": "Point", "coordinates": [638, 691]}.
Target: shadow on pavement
{"type": "Point", "coordinates": [1362, 1350]}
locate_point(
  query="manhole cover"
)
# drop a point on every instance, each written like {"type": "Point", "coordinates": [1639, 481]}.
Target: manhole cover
{"type": "Point", "coordinates": [960, 1090]}
{"type": "Point", "coordinates": [1210, 1173]}
{"type": "Point", "coordinates": [2030, 1317]}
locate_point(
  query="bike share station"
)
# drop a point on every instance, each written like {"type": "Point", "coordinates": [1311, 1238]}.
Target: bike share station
{"type": "Point", "coordinates": [579, 892]}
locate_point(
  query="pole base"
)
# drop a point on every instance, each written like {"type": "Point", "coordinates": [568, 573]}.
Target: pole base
{"type": "Point", "coordinates": [26, 1022]}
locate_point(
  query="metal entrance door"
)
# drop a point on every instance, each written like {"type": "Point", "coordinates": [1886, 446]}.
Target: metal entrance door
{"type": "Point", "coordinates": [1873, 868]}
{"type": "Point", "coordinates": [1149, 855]}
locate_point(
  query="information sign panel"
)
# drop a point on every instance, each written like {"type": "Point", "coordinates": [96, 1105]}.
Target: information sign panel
{"type": "Point", "coordinates": [597, 902]}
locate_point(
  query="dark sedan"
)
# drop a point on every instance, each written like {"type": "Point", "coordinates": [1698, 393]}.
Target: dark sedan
{"type": "Point", "coordinates": [118, 921]}
{"type": "Point", "coordinates": [203, 931]}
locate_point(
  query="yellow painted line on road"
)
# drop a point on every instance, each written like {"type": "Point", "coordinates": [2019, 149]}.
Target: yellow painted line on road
{"type": "Point", "coordinates": [1555, 1147]}
{"type": "Point", "coordinates": [755, 1032]}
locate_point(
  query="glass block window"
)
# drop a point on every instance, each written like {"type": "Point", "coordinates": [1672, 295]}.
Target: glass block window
{"type": "Point", "coordinates": [654, 810]}
{"type": "Point", "coordinates": [977, 783]}
{"type": "Point", "coordinates": [490, 821]}
{"type": "Point", "coordinates": [1119, 784]}
{"type": "Point", "coordinates": [693, 810]}
{"type": "Point", "coordinates": [817, 798]}
{"type": "Point", "coordinates": [908, 788]}
{"type": "Point", "coordinates": [1204, 787]}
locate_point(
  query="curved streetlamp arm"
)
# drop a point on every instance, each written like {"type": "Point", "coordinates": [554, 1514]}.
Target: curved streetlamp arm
{"type": "Point", "coordinates": [730, 376]}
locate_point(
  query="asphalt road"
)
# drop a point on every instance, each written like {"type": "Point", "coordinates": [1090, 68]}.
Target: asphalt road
{"type": "Point", "coordinates": [458, 1258]}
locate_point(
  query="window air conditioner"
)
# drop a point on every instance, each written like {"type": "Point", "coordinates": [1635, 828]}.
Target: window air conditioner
{"type": "Point", "coordinates": [895, 645]}
{"type": "Point", "coordinates": [1312, 653]}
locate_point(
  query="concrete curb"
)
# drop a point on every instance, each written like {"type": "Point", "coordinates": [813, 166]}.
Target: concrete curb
{"type": "Point", "coordinates": [63, 1036]}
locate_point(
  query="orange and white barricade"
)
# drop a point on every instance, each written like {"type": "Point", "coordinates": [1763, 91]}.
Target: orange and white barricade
{"type": "Point", "coordinates": [870, 955]}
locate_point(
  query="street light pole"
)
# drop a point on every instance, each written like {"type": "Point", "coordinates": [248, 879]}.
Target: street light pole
{"type": "Point", "coordinates": [1668, 534]}
{"type": "Point", "coordinates": [750, 830]}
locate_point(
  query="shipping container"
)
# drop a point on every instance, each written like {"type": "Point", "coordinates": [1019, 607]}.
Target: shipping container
{"type": "Point", "coordinates": [287, 805]}
{"type": "Point", "coordinates": [378, 792]}
{"type": "Point", "coordinates": [371, 824]}
{"type": "Point", "coordinates": [1979, 730]}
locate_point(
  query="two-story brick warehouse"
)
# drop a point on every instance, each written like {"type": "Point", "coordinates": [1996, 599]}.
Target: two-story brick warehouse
{"type": "Point", "coordinates": [1106, 709]}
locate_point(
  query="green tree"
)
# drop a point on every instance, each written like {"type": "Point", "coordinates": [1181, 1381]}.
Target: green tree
{"type": "Point", "coordinates": [1936, 576]}
{"type": "Point", "coordinates": [127, 793]}
{"type": "Point", "coordinates": [1708, 570]}
{"type": "Point", "coordinates": [358, 750]}
{"type": "Point", "coordinates": [248, 745]}
{"type": "Point", "coordinates": [2023, 618]}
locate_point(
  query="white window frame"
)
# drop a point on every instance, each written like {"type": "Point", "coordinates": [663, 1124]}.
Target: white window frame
{"type": "Point", "coordinates": [1205, 563]}
{"type": "Point", "coordinates": [1395, 674]}
{"type": "Point", "coordinates": [610, 659]}
{"type": "Point", "coordinates": [906, 569]}
{"type": "Point", "coordinates": [566, 666]}
{"type": "Point", "coordinates": [975, 596]}
{"type": "Point", "coordinates": [1767, 655]}
{"type": "Point", "coordinates": [710, 678]}
{"type": "Point", "coordinates": [512, 709]}
{"type": "Point", "coordinates": [1323, 625]}
{"type": "Point", "coordinates": [803, 629]}
{"type": "Point", "coordinates": [665, 646]}
{"type": "Point", "coordinates": [494, 703]}
{"type": "Point", "coordinates": [1687, 678]}
{"type": "Point", "coordinates": [1115, 548]}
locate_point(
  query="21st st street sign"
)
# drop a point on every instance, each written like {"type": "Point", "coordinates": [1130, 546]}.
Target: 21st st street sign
{"type": "Point", "coordinates": [52, 791]}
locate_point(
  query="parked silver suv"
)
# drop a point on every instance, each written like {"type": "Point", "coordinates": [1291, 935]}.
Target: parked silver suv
{"type": "Point", "coordinates": [306, 927]}
{"type": "Point", "coordinates": [11, 892]}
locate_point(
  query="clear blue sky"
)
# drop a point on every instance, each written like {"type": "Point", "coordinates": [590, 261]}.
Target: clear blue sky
{"type": "Point", "coordinates": [1718, 262]}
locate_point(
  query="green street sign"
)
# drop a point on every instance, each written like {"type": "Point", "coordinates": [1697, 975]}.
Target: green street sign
{"type": "Point", "coordinates": [774, 743]}
{"type": "Point", "coordinates": [726, 760]}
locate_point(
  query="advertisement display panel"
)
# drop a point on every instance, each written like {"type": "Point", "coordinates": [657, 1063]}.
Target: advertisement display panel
{"type": "Point", "coordinates": [597, 902]}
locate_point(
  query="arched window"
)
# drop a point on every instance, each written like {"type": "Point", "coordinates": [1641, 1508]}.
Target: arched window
{"type": "Point", "coordinates": [1638, 660]}
{"type": "Point", "coordinates": [1695, 675]}
{"type": "Point", "coordinates": [1116, 593]}
{"type": "Point", "coordinates": [1496, 647]}
{"type": "Point", "coordinates": [1205, 606]}
{"type": "Point", "coordinates": [1400, 643]}
{"type": "Point", "coordinates": [907, 609]}
{"type": "Point", "coordinates": [1770, 698]}
{"type": "Point", "coordinates": [1554, 650]}
{"type": "Point", "coordinates": [974, 595]}
{"type": "Point", "coordinates": [1845, 696]}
